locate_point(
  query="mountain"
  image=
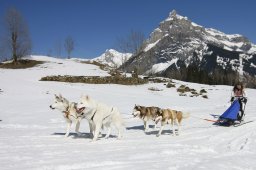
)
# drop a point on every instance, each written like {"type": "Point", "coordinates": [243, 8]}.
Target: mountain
{"type": "Point", "coordinates": [179, 44]}
{"type": "Point", "coordinates": [112, 58]}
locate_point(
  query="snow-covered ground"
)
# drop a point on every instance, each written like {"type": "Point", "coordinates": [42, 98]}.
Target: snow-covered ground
{"type": "Point", "coordinates": [32, 135]}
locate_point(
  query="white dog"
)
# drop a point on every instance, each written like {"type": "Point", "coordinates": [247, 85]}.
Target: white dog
{"type": "Point", "coordinates": [100, 115]}
{"type": "Point", "coordinates": [69, 113]}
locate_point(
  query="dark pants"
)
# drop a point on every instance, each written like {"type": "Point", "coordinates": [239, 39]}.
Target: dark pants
{"type": "Point", "coordinates": [242, 101]}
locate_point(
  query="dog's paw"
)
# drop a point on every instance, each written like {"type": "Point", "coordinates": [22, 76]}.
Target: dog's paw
{"type": "Point", "coordinates": [157, 135]}
{"type": "Point", "coordinates": [66, 135]}
{"type": "Point", "coordinates": [94, 140]}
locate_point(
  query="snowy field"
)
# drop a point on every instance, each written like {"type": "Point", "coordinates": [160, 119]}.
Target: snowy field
{"type": "Point", "coordinates": [32, 135]}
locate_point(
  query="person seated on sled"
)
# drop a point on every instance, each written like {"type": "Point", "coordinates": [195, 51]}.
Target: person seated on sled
{"type": "Point", "coordinates": [239, 94]}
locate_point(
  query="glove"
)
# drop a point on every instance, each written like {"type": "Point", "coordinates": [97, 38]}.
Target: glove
{"type": "Point", "coordinates": [244, 100]}
{"type": "Point", "coordinates": [232, 99]}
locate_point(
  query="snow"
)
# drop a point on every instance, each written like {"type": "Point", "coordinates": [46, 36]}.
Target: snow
{"type": "Point", "coordinates": [241, 66]}
{"type": "Point", "coordinates": [171, 17]}
{"type": "Point", "coordinates": [196, 25]}
{"type": "Point", "coordinates": [215, 32]}
{"type": "Point", "coordinates": [225, 39]}
{"type": "Point", "coordinates": [181, 17]}
{"type": "Point", "coordinates": [151, 45]}
{"type": "Point", "coordinates": [228, 48]}
{"type": "Point", "coordinates": [253, 65]}
{"type": "Point", "coordinates": [252, 49]}
{"type": "Point", "coordinates": [32, 135]}
{"type": "Point", "coordinates": [156, 68]}
{"type": "Point", "coordinates": [157, 30]}
{"type": "Point", "coordinates": [221, 62]}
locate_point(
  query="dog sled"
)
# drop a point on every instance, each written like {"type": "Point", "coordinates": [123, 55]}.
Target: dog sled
{"type": "Point", "coordinates": [234, 115]}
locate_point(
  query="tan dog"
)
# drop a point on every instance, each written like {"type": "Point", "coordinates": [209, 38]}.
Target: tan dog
{"type": "Point", "coordinates": [146, 114]}
{"type": "Point", "coordinates": [170, 116]}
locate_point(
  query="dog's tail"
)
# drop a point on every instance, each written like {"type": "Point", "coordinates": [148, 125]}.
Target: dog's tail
{"type": "Point", "coordinates": [185, 115]}
{"type": "Point", "coordinates": [118, 118]}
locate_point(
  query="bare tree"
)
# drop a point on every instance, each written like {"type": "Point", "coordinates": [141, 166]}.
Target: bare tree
{"type": "Point", "coordinates": [131, 43]}
{"type": "Point", "coordinates": [2, 51]}
{"type": "Point", "coordinates": [17, 39]}
{"type": "Point", "coordinates": [58, 48]}
{"type": "Point", "coordinates": [69, 45]}
{"type": "Point", "coordinates": [49, 53]}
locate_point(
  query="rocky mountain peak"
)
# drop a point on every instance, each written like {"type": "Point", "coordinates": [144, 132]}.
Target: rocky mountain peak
{"type": "Point", "coordinates": [112, 58]}
{"type": "Point", "coordinates": [178, 42]}
{"type": "Point", "coordinates": [173, 14]}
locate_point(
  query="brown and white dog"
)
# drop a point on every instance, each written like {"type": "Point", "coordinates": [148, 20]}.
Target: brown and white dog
{"type": "Point", "coordinates": [69, 112]}
{"type": "Point", "coordinates": [146, 114]}
{"type": "Point", "coordinates": [170, 116]}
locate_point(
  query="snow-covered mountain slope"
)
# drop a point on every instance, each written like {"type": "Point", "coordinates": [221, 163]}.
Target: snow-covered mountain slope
{"type": "Point", "coordinates": [32, 135]}
{"type": "Point", "coordinates": [178, 43]}
{"type": "Point", "coordinates": [112, 58]}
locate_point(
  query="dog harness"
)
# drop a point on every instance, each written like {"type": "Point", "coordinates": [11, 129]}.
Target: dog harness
{"type": "Point", "coordinates": [66, 113]}
{"type": "Point", "coordinates": [93, 115]}
{"type": "Point", "coordinates": [109, 114]}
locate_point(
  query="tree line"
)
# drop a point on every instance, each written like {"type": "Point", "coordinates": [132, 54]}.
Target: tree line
{"type": "Point", "coordinates": [193, 73]}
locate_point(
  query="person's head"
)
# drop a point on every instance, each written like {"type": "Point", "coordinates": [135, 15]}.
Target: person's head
{"type": "Point", "coordinates": [238, 87]}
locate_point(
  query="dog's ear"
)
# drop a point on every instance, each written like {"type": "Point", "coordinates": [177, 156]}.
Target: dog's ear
{"type": "Point", "coordinates": [60, 96]}
{"type": "Point", "coordinates": [56, 96]}
{"type": "Point", "coordinates": [65, 100]}
{"type": "Point", "coordinates": [84, 97]}
{"type": "Point", "coordinates": [87, 97]}
{"type": "Point", "coordinates": [136, 105]}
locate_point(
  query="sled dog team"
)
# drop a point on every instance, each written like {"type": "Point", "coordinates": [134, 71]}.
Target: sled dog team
{"type": "Point", "coordinates": [101, 116]}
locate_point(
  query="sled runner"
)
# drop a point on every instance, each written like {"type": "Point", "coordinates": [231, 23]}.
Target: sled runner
{"type": "Point", "coordinates": [242, 123]}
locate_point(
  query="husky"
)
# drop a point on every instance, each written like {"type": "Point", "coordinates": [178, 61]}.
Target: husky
{"type": "Point", "coordinates": [146, 114]}
{"type": "Point", "coordinates": [69, 113]}
{"type": "Point", "coordinates": [170, 116]}
{"type": "Point", "coordinates": [100, 115]}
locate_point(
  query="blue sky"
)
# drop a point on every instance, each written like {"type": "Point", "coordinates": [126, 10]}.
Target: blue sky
{"type": "Point", "coordinates": [95, 25]}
